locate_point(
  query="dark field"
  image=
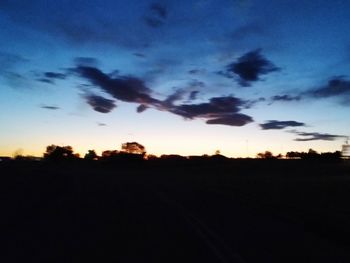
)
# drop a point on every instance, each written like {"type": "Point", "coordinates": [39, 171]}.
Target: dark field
{"type": "Point", "coordinates": [233, 211]}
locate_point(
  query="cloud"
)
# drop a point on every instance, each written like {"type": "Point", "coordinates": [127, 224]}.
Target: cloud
{"type": "Point", "coordinates": [278, 125]}
{"type": "Point", "coordinates": [215, 106]}
{"type": "Point", "coordinates": [315, 136]}
{"type": "Point", "coordinates": [176, 96]}
{"type": "Point", "coordinates": [55, 75]}
{"type": "Point", "coordinates": [157, 16]}
{"type": "Point", "coordinates": [251, 103]}
{"type": "Point", "coordinates": [124, 88]}
{"type": "Point", "coordinates": [193, 95]}
{"type": "Point", "coordinates": [48, 107]}
{"type": "Point", "coordinates": [285, 98]}
{"type": "Point", "coordinates": [250, 67]}
{"type": "Point", "coordinates": [50, 77]}
{"type": "Point", "coordinates": [99, 103]}
{"type": "Point", "coordinates": [101, 124]}
{"type": "Point", "coordinates": [138, 54]}
{"type": "Point", "coordinates": [44, 80]}
{"type": "Point", "coordinates": [218, 110]}
{"type": "Point", "coordinates": [86, 61]}
{"type": "Point", "coordinates": [236, 119]}
{"type": "Point", "coordinates": [337, 87]}
{"type": "Point", "coordinates": [196, 71]}
{"type": "Point", "coordinates": [159, 10]}
{"type": "Point", "coordinates": [141, 108]}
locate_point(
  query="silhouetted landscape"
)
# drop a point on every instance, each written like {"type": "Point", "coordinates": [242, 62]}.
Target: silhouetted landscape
{"type": "Point", "coordinates": [125, 206]}
{"type": "Point", "coordinates": [175, 131]}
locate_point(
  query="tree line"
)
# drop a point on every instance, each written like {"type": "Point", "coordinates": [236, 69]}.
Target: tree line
{"type": "Point", "coordinates": [136, 151]}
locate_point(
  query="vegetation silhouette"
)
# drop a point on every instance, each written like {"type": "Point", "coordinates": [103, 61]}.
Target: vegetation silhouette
{"type": "Point", "coordinates": [314, 155]}
{"type": "Point", "coordinates": [91, 156]}
{"type": "Point", "coordinates": [87, 207]}
{"type": "Point", "coordinates": [60, 153]}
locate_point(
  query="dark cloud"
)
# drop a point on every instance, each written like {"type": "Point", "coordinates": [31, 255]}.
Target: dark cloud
{"type": "Point", "coordinates": [159, 10]}
{"type": "Point", "coordinates": [215, 106]}
{"type": "Point", "coordinates": [196, 84]}
{"type": "Point", "coordinates": [285, 98]}
{"type": "Point", "coordinates": [140, 55]}
{"type": "Point", "coordinates": [176, 96]}
{"type": "Point", "coordinates": [278, 125]}
{"type": "Point", "coordinates": [141, 108]}
{"type": "Point", "coordinates": [48, 107]}
{"type": "Point", "coordinates": [157, 16]}
{"type": "Point", "coordinates": [250, 67]}
{"type": "Point", "coordinates": [55, 75]}
{"type": "Point", "coordinates": [50, 77]}
{"type": "Point", "coordinates": [194, 71]}
{"type": "Point", "coordinates": [315, 136]}
{"type": "Point", "coordinates": [124, 88]}
{"type": "Point", "coordinates": [338, 87]}
{"type": "Point", "coordinates": [99, 103]}
{"type": "Point", "coordinates": [251, 103]}
{"type": "Point", "coordinates": [237, 119]}
{"type": "Point", "coordinates": [101, 124]}
{"type": "Point", "coordinates": [49, 81]}
{"type": "Point", "coordinates": [187, 92]}
{"type": "Point", "coordinates": [219, 110]}
{"type": "Point", "coordinates": [86, 61]}
{"type": "Point", "coordinates": [193, 95]}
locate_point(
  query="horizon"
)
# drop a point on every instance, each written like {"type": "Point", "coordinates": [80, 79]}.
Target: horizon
{"type": "Point", "coordinates": [237, 76]}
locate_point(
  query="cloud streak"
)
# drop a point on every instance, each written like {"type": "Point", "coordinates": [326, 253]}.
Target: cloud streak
{"type": "Point", "coordinates": [315, 136]}
{"type": "Point", "coordinates": [285, 98]}
{"type": "Point", "coordinates": [337, 87]}
{"type": "Point", "coordinates": [49, 107]}
{"type": "Point", "coordinates": [278, 125]}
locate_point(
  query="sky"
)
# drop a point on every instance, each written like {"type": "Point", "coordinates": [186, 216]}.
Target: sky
{"type": "Point", "coordinates": [188, 77]}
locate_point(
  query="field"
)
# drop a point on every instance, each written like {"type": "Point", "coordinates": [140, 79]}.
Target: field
{"type": "Point", "coordinates": [223, 211]}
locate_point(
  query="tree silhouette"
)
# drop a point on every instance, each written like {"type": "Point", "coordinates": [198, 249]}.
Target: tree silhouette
{"type": "Point", "coordinates": [133, 148]}
{"type": "Point", "coordinates": [54, 152]}
{"type": "Point", "coordinates": [91, 155]}
{"type": "Point", "coordinates": [265, 155]}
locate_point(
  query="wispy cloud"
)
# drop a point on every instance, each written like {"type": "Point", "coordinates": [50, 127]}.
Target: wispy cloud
{"type": "Point", "coordinates": [337, 87]}
{"type": "Point", "coordinates": [316, 136]}
{"type": "Point", "coordinates": [278, 125]}
{"type": "Point", "coordinates": [50, 107]}
{"type": "Point", "coordinates": [285, 98]}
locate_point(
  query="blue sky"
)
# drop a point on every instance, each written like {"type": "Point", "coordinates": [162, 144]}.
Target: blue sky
{"type": "Point", "coordinates": [241, 76]}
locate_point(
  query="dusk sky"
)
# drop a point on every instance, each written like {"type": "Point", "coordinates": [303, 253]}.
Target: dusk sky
{"type": "Point", "coordinates": [182, 77]}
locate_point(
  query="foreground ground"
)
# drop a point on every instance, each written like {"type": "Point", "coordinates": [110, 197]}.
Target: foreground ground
{"type": "Point", "coordinates": [241, 211]}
